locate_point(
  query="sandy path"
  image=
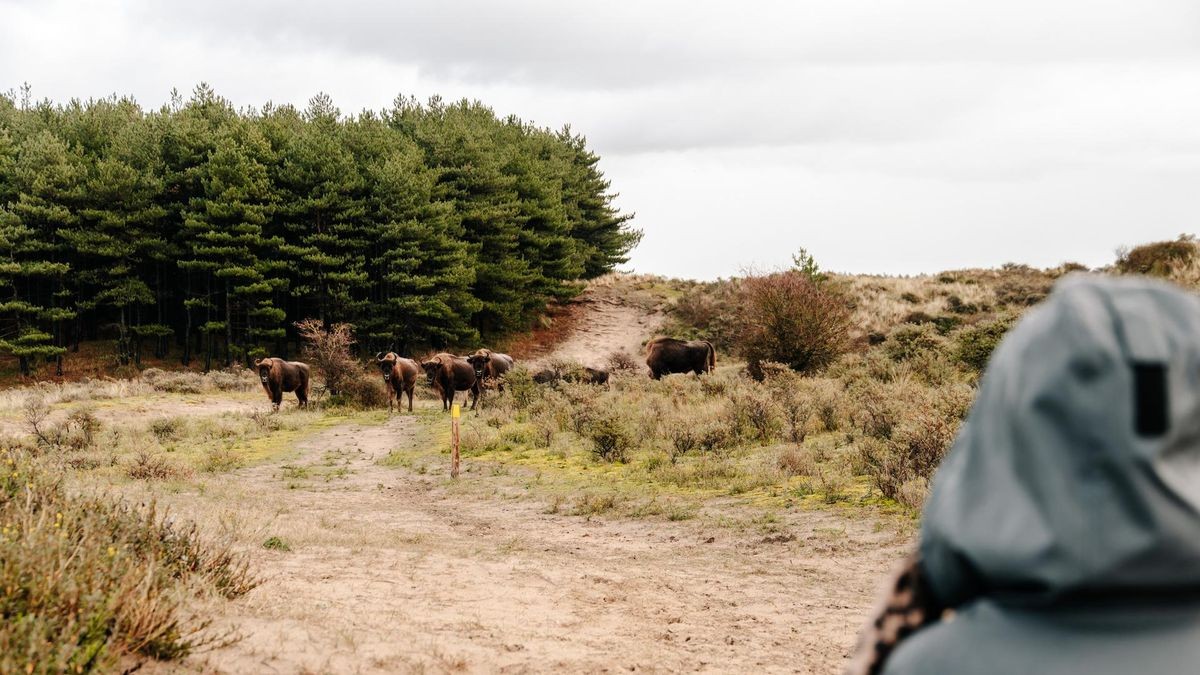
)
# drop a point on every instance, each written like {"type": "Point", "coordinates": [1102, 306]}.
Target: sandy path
{"type": "Point", "coordinates": [394, 571]}
{"type": "Point", "coordinates": [606, 326]}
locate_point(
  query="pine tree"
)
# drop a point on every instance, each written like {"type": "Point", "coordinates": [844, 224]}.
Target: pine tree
{"type": "Point", "coordinates": [47, 179]}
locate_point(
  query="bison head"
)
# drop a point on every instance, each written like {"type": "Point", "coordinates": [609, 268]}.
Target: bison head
{"type": "Point", "coordinates": [387, 363]}
{"type": "Point", "coordinates": [432, 368]}
{"type": "Point", "coordinates": [264, 369]}
{"type": "Point", "coordinates": [479, 362]}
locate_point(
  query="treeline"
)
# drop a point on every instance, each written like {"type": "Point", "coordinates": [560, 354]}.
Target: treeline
{"type": "Point", "coordinates": [214, 229]}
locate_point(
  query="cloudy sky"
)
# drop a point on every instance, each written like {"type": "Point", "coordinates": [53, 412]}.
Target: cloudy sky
{"type": "Point", "coordinates": [890, 136]}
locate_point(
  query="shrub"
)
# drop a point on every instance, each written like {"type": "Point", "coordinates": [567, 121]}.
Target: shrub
{"type": "Point", "coordinates": [120, 577]}
{"type": "Point", "coordinates": [328, 350]}
{"type": "Point", "coordinates": [974, 345]}
{"type": "Point", "coordinates": [77, 432]}
{"type": "Point", "coordinates": [611, 438]}
{"type": "Point", "coordinates": [754, 413]}
{"type": "Point", "coordinates": [166, 428]}
{"type": "Point", "coordinates": [1022, 291]}
{"type": "Point", "coordinates": [907, 342]}
{"type": "Point", "coordinates": [276, 544]}
{"type": "Point", "coordinates": [796, 461]}
{"type": "Point", "coordinates": [149, 466]}
{"type": "Point", "coordinates": [362, 390]}
{"type": "Point", "coordinates": [622, 361]}
{"type": "Point", "coordinates": [786, 317]}
{"type": "Point", "coordinates": [1160, 258]}
{"type": "Point", "coordinates": [521, 388]}
{"type": "Point", "coordinates": [910, 297]}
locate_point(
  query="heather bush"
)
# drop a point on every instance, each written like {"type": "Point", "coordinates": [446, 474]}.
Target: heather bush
{"type": "Point", "coordinates": [120, 577]}
{"type": "Point", "coordinates": [1162, 258]}
{"type": "Point", "coordinates": [974, 345]}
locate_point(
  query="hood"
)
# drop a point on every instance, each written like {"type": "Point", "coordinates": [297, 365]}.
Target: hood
{"type": "Point", "coordinates": [1077, 472]}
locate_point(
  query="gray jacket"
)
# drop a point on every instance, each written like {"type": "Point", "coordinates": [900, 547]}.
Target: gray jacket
{"type": "Point", "coordinates": [1064, 525]}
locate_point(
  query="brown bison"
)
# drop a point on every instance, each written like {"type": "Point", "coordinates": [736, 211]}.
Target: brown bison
{"type": "Point", "coordinates": [400, 377]}
{"type": "Point", "coordinates": [490, 365]}
{"type": "Point", "coordinates": [667, 355]}
{"type": "Point", "coordinates": [449, 374]}
{"type": "Point", "coordinates": [279, 376]}
{"type": "Point", "coordinates": [585, 375]}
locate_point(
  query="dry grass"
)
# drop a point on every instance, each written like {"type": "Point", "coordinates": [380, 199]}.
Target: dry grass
{"type": "Point", "coordinates": [91, 581]}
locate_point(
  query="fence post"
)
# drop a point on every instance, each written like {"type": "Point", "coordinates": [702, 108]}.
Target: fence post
{"type": "Point", "coordinates": [455, 413]}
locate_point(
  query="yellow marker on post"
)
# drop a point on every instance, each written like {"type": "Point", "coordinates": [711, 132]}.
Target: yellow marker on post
{"type": "Point", "coordinates": [455, 413]}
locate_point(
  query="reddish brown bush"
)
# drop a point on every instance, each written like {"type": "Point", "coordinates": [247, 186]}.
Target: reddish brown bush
{"type": "Point", "coordinates": [1160, 258]}
{"type": "Point", "coordinates": [789, 318]}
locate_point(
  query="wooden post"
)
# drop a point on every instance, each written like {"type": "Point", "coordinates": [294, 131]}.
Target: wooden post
{"type": "Point", "coordinates": [455, 413]}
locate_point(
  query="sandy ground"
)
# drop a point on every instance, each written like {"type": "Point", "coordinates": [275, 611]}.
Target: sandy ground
{"type": "Point", "coordinates": [607, 326]}
{"type": "Point", "coordinates": [394, 571]}
{"type": "Point", "coordinates": [391, 569]}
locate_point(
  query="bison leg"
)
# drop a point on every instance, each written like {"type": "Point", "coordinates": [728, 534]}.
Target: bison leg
{"type": "Point", "coordinates": [410, 395]}
{"type": "Point", "coordinates": [301, 397]}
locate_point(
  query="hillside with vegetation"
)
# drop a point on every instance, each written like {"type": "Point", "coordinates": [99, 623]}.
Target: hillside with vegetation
{"type": "Point", "coordinates": [682, 523]}
{"type": "Point", "coordinates": [204, 231]}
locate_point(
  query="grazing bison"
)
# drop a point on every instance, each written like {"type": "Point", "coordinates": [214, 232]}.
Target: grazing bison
{"type": "Point", "coordinates": [400, 377]}
{"type": "Point", "coordinates": [279, 376]}
{"type": "Point", "coordinates": [449, 374]}
{"type": "Point", "coordinates": [490, 365]}
{"type": "Point", "coordinates": [596, 375]}
{"type": "Point", "coordinates": [586, 375]}
{"type": "Point", "coordinates": [667, 355]}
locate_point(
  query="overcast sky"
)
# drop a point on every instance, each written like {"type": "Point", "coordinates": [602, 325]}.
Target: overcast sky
{"type": "Point", "coordinates": [888, 136]}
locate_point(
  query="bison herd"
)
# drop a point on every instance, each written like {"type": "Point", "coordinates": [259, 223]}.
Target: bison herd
{"type": "Point", "coordinates": [449, 374]}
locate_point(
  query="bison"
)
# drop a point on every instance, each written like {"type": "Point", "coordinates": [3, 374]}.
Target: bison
{"type": "Point", "coordinates": [279, 376]}
{"type": "Point", "coordinates": [449, 374]}
{"type": "Point", "coordinates": [584, 375]}
{"type": "Point", "coordinates": [667, 355]}
{"type": "Point", "coordinates": [490, 365]}
{"type": "Point", "coordinates": [400, 377]}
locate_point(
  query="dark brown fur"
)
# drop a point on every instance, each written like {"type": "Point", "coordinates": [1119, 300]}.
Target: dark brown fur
{"type": "Point", "coordinates": [279, 376]}
{"type": "Point", "coordinates": [667, 355]}
{"type": "Point", "coordinates": [449, 374]}
{"type": "Point", "coordinates": [586, 375]}
{"type": "Point", "coordinates": [491, 366]}
{"type": "Point", "coordinates": [400, 377]}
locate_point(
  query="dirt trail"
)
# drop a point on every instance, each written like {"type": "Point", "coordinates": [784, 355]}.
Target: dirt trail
{"type": "Point", "coordinates": [602, 321]}
{"type": "Point", "coordinates": [395, 571]}
{"type": "Point", "coordinates": [605, 327]}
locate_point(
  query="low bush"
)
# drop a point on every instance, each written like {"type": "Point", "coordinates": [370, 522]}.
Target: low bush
{"type": "Point", "coordinates": [92, 582]}
{"type": "Point", "coordinates": [974, 345]}
{"type": "Point", "coordinates": [151, 466]}
{"type": "Point", "coordinates": [610, 437]}
{"type": "Point", "coordinates": [1160, 258]}
{"type": "Point", "coordinates": [907, 342]}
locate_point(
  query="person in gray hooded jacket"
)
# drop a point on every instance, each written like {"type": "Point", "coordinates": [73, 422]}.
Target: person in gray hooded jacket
{"type": "Point", "coordinates": [1063, 528]}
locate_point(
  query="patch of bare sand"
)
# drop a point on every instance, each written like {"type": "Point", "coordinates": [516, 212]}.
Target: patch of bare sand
{"type": "Point", "coordinates": [394, 571]}
{"type": "Point", "coordinates": [603, 325]}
